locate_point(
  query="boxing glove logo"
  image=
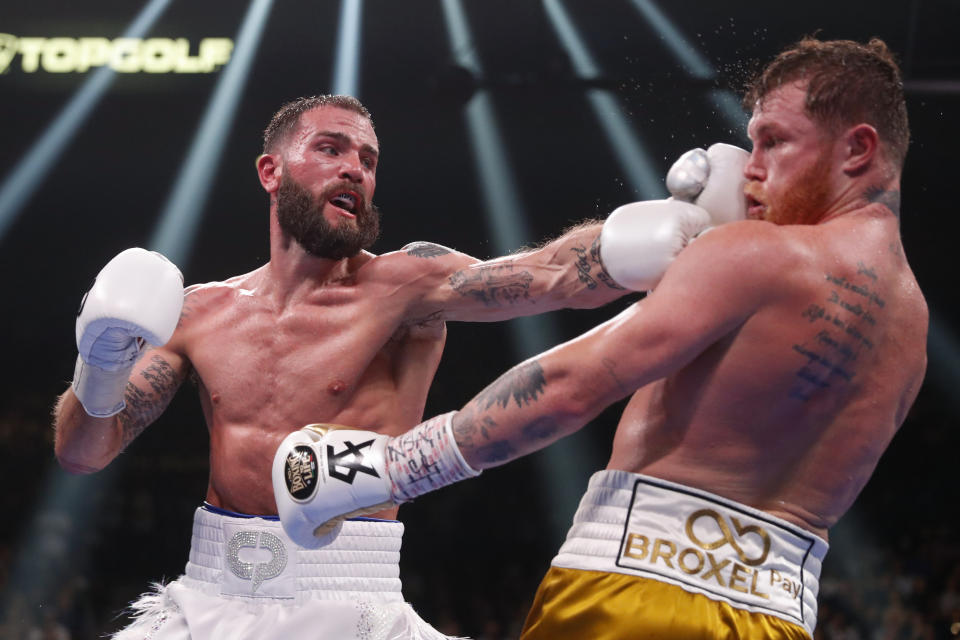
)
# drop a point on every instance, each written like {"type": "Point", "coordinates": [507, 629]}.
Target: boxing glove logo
{"type": "Point", "coordinates": [301, 473]}
{"type": "Point", "coordinates": [350, 458]}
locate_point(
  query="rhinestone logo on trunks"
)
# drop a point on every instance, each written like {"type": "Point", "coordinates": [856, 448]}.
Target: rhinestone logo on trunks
{"type": "Point", "coordinates": [259, 571]}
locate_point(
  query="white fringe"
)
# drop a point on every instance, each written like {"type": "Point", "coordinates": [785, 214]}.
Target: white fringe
{"type": "Point", "coordinates": [148, 612]}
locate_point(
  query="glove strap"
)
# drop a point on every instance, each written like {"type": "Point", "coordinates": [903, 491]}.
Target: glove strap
{"type": "Point", "coordinates": [98, 390]}
{"type": "Point", "coordinates": [426, 458]}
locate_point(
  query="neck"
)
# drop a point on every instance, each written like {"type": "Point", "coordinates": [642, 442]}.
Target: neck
{"type": "Point", "coordinates": [292, 269]}
{"type": "Point", "coordinates": [864, 191]}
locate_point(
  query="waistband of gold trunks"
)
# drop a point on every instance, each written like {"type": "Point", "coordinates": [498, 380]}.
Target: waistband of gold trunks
{"type": "Point", "coordinates": [643, 526]}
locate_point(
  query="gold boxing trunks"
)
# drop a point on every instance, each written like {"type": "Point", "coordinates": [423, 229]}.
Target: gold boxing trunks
{"type": "Point", "coordinates": [647, 558]}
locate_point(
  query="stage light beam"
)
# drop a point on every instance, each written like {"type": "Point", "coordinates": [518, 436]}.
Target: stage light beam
{"type": "Point", "coordinates": [643, 174]}
{"type": "Point", "coordinates": [346, 66]}
{"type": "Point", "coordinates": [176, 230]}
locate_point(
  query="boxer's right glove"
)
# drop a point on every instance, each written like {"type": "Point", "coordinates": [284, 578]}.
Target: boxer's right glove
{"type": "Point", "coordinates": [136, 299]}
{"type": "Point", "coordinates": [712, 179]}
{"type": "Point", "coordinates": [323, 474]}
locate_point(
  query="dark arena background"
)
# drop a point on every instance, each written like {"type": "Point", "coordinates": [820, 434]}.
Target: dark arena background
{"type": "Point", "coordinates": [501, 122]}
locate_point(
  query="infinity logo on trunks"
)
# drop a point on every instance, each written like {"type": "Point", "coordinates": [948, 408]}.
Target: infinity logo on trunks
{"type": "Point", "coordinates": [261, 570]}
{"type": "Point", "coordinates": [123, 55]}
{"type": "Point", "coordinates": [727, 537]}
{"type": "Point", "coordinates": [350, 458]}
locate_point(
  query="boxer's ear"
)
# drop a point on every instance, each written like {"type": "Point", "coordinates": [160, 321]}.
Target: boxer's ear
{"type": "Point", "coordinates": [269, 170]}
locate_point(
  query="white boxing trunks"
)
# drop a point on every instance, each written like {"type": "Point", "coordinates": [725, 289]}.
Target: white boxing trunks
{"type": "Point", "coordinates": [246, 579]}
{"type": "Point", "coordinates": [651, 558]}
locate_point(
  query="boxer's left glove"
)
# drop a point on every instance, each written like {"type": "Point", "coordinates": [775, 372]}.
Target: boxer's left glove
{"type": "Point", "coordinates": [712, 179]}
{"type": "Point", "coordinates": [323, 474]}
{"type": "Point", "coordinates": [135, 300]}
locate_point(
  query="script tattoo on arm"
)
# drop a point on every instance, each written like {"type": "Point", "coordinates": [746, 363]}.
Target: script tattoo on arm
{"type": "Point", "coordinates": [587, 260]}
{"type": "Point", "coordinates": [889, 199]}
{"type": "Point", "coordinates": [493, 285]}
{"type": "Point", "coordinates": [844, 325]}
{"type": "Point", "coordinates": [425, 250]}
{"type": "Point", "coordinates": [144, 407]}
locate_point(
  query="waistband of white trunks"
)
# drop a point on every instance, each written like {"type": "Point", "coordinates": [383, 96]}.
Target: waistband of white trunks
{"type": "Point", "coordinates": [250, 557]}
{"type": "Point", "coordinates": [643, 526]}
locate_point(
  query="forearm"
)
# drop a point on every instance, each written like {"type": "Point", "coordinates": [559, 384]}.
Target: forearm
{"type": "Point", "coordinates": [568, 271]}
{"type": "Point", "coordinates": [529, 407]}
{"type": "Point", "coordinates": [83, 443]}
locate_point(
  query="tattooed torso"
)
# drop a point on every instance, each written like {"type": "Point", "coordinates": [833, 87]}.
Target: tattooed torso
{"type": "Point", "coordinates": [791, 412]}
{"type": "Point", "coordinates": [361, 351]}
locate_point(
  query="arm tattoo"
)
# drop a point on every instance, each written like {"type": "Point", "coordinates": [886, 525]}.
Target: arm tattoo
{"type": "Point", "coordinates": [889, 199]}
{"type": "Point", "coordinates": [425, 250]}
{"type": "Point", "coordinates": [523, 383]}
{"type": "Point", "coordinates": [189, 305]}
{"type": "Point", "coordinates": [602, 275]}
{"type": "Point", "coordinates": [144, 407]}
{"type": "Point", "coordinates": [493, 286]}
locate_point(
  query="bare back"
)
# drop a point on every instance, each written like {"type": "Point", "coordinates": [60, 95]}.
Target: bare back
{"type": "Point", "coordinates": [791, 411]}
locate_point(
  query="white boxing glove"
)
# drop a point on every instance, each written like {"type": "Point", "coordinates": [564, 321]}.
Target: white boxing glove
{"type": "Point", "coordinates": [136, 299]}
{"type": "Point", "coordinates": [323, 474]}
{"type": "Point", "coordinates": [639, 240]}
{"type": "Point", "coordinates": [712, 179]}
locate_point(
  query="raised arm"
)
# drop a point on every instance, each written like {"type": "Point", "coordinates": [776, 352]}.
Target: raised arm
{"type": "Point", "coordinates": [592, 263]}
{"type": "Point", "coordinates": [118, 387]}
{"type": "Point", "coordinates": [85, 443]}
{"type": "Point", "coordinates": [564, 273]}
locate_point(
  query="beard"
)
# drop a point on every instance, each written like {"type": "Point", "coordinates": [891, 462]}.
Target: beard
{"type": "Point", "coordinates": [301, 217]}
{"type": "Point", "coordinates": [806, 198]}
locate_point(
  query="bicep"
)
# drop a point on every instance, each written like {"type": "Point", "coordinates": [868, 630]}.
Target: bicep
{"type": "Point", "coordinates": [151, 386]}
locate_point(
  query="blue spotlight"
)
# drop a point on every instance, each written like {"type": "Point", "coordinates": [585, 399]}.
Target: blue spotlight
{"type": "Point", "coordinates": [346, 64]}
{"type": "Point", "coordinates": [694, 62]}
{"type": "Point", "coordinates": [22, 182]}
{"type": "Point", "coordinates": [176, 231]}
{"type": "Point", "coordinates": [642, 173]}
{"type": "Point", "coordinates": [565, 466]}
{"type": "Point", "coordinates": [696, 66]}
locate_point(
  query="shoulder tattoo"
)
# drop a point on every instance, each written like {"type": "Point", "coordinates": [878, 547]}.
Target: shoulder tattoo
{"type": "Point", "coordinates": [425, 250]}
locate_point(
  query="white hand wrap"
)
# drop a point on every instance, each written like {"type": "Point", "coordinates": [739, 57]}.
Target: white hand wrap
{"type": "Point", "coordinates": [426, 458]}
{"type": "Point", "coordinates": [136, 299]}
{"type": "Point", "coordinates": [639, 240]}
{"type": "Point", "coordinates": [323, 475]}
{"type": "Point", "coordinates": [712, 179]}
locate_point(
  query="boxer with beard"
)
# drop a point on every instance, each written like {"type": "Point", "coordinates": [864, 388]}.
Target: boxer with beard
{"type": "Point", "coordinates": [324, 331]}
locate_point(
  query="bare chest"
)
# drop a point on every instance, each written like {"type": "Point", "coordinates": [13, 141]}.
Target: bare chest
{"type": "Point", "coordinates": [305, 364]}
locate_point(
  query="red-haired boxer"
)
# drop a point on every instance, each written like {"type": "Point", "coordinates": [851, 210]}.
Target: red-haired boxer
{"type": "Point", "coordinates": [767, 372]}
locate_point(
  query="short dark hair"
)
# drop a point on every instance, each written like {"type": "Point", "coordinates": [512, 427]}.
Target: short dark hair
{"type": "Point", "coordinates": [287, 116]}
{"type": "Point", "coordinates": [847, 83]}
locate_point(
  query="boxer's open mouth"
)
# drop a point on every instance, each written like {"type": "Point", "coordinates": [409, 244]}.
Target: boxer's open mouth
{"type": "Point", "coordinates": [347, 201]}
{"type": "Point", "coordinates": [755, 208]}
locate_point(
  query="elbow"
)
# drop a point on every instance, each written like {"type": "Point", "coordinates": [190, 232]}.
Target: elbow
{"type": "Point", "coordinates": [74, 464]}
